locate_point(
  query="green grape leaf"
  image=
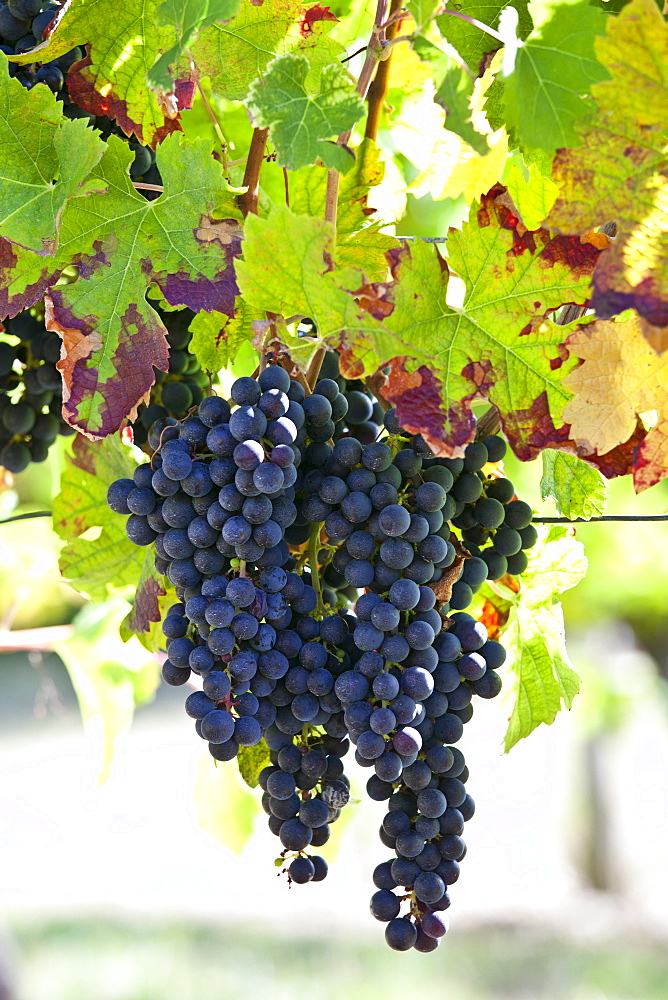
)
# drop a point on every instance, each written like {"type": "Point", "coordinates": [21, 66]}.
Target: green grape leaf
{"type": "Point", "coordinates": [422, 11]}
{"type": "Point", "coordinates": [188, 18]}
{"type": "Point", "coordinates": [359, 244]}
{"type": "Point", "coordinates": [496, 343]}
{"type": "Point", "coordinates": [297, 122]}
{"type": "Point", "coordinates": [251, 761]}
{"type": "Point", "coordinates": [110, 561]}
{"type": "Point", "coordinates": [217, 339]}
{"type": "Point", "coordinates": [44, 161]}
{"type": "Point", "coordinates": [577, 488]}
{"type": "Point", "coordinates": [109, 676]}
{"type": "Point", "coordinates": [232, 55]}
{"type": "Point", "coordinates": [533, 192]}
{"type": "Point", "coordinates": [454, 95]}
{"type": "Point", "coordinates": [541, 679]}
{"type": "Point", "coordinates": [181, 241]}
{"type": "Point", "coordinates": [470, 41]}
{"type": "Point", "coordinates": [123, 40]}
{"type": "Point", "coordinates": [300, 283]}
{"type": "Point", "coordinates": [618, 172]}
{"type": "Point", "coordinates": [549, 88]}
{"type": "Point", "coordinates": [224, 806]}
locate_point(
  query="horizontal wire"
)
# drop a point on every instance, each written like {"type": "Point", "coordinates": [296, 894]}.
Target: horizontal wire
{"type": "Point", "coordinates": [603, 517]}
{"type": "Point", "coordinates": [24, 517]}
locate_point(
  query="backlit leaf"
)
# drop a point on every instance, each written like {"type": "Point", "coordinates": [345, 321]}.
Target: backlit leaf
{"type": "Point", "coordinates": [578, 489]}
{"type": "Point", "coordinates": [109, 676]}
{"type": "Point", "coordinates": [554, 71]}
{"type": "Point", "coordinates": [110, 560]}
{"type": "Point", "coordinates": [123, 40]}
{"type": "Point", "coordinates": [188, 18]}
{"type": "Point", "coordinates": [495, 343]}
{"type": "Point", "coordinates": [232, 55]}
{"type": "Point", "coordinates": [299, 121]}
{"type": "Point", "coordinates": [622, 377]}
{"type": "Point", "coordinates": [44, 161]}
{"type": "Point", "coordinates": [470, 41]}
{"type": "Point", "coordinates": [181, 241]}
{"type": "Point", "coordinates": [538, 677]}
{"type": "Point", "coordinates": [619, 171]}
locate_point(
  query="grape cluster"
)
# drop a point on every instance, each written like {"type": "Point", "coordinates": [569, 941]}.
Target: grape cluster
{"type": "Point", "coordinates": [271, 518]}
{"type": "Point", "coordinates": [179, 389]}
{"type": "Point", "coordinates": [22, 27]}
{"type": "Point", "coordinates": [30, 392]}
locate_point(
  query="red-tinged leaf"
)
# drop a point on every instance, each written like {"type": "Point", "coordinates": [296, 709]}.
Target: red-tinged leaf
{"type": "Point", "coordinates": [143, 348]}
{"type": "Point", "coordinates": [536, 430]}
{"type": "Point", "coordinates": [651, 458]}
{"type": "Point", "coordinates": [314, 14]}
{"type": "Point", "coordinates": [418, 399]}
{"type": "Point", "coordinates": [494, 615]}
{"type": "Point", "coordinates": [146, 608]}
{"type": "Point", "coordinates": [123, 41]}
{"type": "Point", "coordinates": [618, 173]}
{"type": "Point", "coordinates": [24, 278]}
{"type": "Point", "coordinates": [113, 339]}
{"type": "Point", "coordinates": [83, 86]}
{"type": "Point", "coordinates": [498, 344]}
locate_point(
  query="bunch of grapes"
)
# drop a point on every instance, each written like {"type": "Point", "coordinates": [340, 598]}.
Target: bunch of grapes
{"type": "Point", "coordinates": [272, 519]}
{"type": "Point", "coordinates": [30, 392]}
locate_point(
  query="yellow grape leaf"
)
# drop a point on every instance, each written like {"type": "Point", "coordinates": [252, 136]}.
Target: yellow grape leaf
{"type": "Point", "coordinates": [455, 168]}
{"type": "Point", "coordinates": [622, 377]}
{"type": "Point", "coordinates": [619, 171]}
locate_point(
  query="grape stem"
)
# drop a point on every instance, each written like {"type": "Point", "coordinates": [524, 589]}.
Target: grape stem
{"type": "Point", "coordinates": [378, 87]}
{"type": "Point", "coordinates": [373, 54]}
{"type": "Point", "coordinates": [212, 115]}
{"type": "Point", "coordinates": [313, 548]}
{"type": "Point", "coordinates": [248, 201]}
{"type": "Point", "coordinates": [313, 370]}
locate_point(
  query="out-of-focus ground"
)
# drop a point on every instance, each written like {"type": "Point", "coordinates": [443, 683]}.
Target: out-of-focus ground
{"type": "Point", "coordinates": [115, 892]}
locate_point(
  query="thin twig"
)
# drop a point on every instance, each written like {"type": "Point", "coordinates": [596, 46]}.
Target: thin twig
{"type": "Point", "coordinates": [378, 88]}
{"type": "Point", "coordinates": [24, 517]}
{"type": "Point", "coordinates": [248, 201]}
{"type": "Point", "coordinates": [286, 183]}
{"type": "Point", "coordinates": [211, 113]}
{"type": "Point", "coordinates": [147, 187]}
{"type": "Point", "coordinates": [397, 13]}
{"type": "Point", "coordinates": [603, 517]}
{"type": "Point", "coordinates": [373, 54]}
{"type": "Point", "coordinates": [356, 53]}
